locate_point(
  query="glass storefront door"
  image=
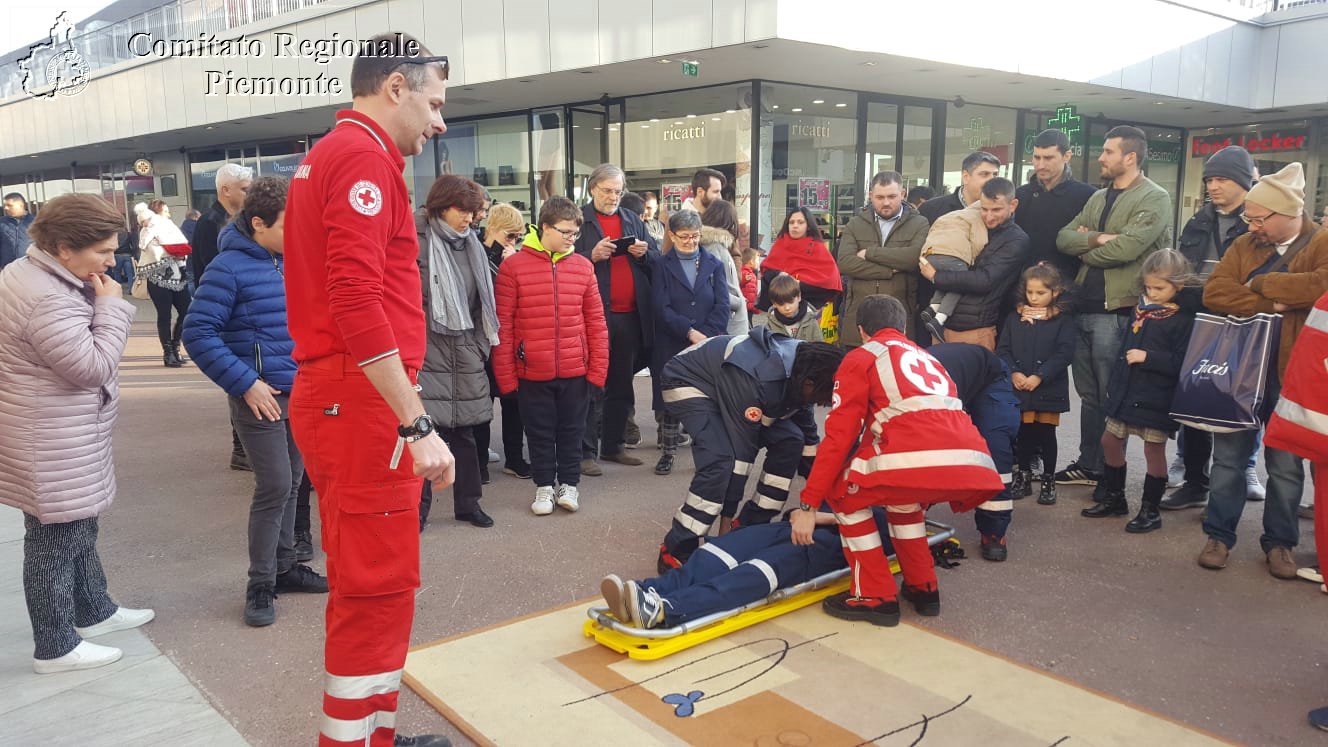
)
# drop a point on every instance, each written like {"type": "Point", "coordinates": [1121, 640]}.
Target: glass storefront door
{"type": "Point", "coordinates": [589, 146]}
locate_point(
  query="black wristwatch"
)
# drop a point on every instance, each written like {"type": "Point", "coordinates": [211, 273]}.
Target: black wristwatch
{"type": "Point", "coordinates": [422, 427]}
{"type": "Point", "coordinates": [805, 506]}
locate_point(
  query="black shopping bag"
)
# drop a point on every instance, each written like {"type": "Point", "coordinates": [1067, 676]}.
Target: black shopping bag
{"type": "Point", "coordinates": [1224, 380]}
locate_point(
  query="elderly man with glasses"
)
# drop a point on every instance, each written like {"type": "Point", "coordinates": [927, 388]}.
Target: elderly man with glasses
{"type": "Point", "coordinates": [1279, 266]}
{"type": "Point", "coordinates": [617, 242]}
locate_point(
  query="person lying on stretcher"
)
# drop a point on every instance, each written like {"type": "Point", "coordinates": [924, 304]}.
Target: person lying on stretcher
{"type": "Point", "coordinates": [730, 571]}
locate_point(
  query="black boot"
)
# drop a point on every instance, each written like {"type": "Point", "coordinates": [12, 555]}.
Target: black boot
{"type": "Point", "coordinates": [1022, 485]}
{"type": "Point", "coordinates": [1113, 495]}
{"type": "Point", "coordinates": [1149, 518]}
{"type": "Point", "coordinates": [169, 356]}
{"type": "Point", "coordinates": [175, 348]}
{"type": "Point", "coordinates": [1048, 495]}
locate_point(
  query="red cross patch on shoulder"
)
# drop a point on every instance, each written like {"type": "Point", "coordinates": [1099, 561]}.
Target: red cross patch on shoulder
{"type": "Point", "coordinates": [366, 197]}
{"type": "Point", "coordinates": [753, 414]}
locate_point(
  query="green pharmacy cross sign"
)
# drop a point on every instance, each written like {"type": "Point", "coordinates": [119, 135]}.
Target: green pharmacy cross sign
{"type": "Point", "coordinates": [1067, 120]}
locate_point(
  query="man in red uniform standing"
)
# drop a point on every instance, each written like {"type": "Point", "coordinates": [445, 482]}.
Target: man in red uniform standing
{"type": "Point", "coordinates": [897, 436]}
{"type": "Point", "coordinates": [353, 295]}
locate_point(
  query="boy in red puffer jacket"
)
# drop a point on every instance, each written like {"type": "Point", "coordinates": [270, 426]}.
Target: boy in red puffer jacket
{"type": "Point", "coordinates": [553, 346]}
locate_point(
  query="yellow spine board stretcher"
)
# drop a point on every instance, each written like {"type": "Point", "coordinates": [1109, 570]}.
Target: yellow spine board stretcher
{"type": "Point", "coordinates": [656, 643]}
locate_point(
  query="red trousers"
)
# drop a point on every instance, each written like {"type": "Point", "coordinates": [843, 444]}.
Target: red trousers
{"type": "Point", "coordinates": [371, 535]}
{"type": "Point", "coordinates": [866, 556]}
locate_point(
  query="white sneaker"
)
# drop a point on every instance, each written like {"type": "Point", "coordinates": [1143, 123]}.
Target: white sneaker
{"type": "Point", "coordinates": [84, 656]}
{"type": "Point", "coordinates": [568, 497]}
{"type": "Point", "coordinates": [123, 619]}
{"type": "Point", "coordinates": [1176, 472]}
{"type": "Point", "coordinates": [1310, 574]}
{"type": "Point", "coordinates": [1254, 490]}
{"type": "Point", "coordinates": [493, 456]}
{"type": "Point", "coordinates": [543, 505]}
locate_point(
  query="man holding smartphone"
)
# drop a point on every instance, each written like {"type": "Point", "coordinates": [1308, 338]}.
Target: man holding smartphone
{"type": "Point", "coordinates": [617, 242]}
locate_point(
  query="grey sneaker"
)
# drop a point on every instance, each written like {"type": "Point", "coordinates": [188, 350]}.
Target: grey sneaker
{"type": "Point", "coordinates": [1176, 472]}
{"type": "Point", "coordinates": [1187, 496]}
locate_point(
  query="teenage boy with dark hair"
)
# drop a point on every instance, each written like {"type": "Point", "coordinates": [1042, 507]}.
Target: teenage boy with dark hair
{"type": "Point", "coordinates": [896, 436]}
{"type": "Point", "coordinates": [737, 395]}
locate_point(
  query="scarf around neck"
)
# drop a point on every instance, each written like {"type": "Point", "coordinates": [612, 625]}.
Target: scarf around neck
{"type": "Point", "coordinates": [1146, 311]}
{"type": "Point", "coordinates": [449, 309]}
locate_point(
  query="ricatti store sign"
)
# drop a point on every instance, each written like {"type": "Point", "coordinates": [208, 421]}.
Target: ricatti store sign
{"type": "Point", "coordinates": [1254, 142]}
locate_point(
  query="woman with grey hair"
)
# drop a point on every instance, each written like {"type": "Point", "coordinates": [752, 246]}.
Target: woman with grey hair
{"type": "Point", "coordinates": [463, 328]}
{"type": "Point", "coordinates": [691, 299]}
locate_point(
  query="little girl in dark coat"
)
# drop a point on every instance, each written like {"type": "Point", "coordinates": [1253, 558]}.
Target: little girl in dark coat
{"type": "Point", "coordinates": [1143, 383]}
{"type": "Point", "coordinates": [1037, 344]}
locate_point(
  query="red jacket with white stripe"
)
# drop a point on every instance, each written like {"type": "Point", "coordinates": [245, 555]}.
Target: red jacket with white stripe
{"type": "Point", "coordinates": [550, 318]}
{"type": "Point", "coordinates": [1300, 422]}
{"type": "Point", "coordinates": [897, 434]}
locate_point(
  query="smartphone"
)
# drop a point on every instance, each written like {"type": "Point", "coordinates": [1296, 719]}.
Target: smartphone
{"type": "Point", "coordinates": [620, 246]}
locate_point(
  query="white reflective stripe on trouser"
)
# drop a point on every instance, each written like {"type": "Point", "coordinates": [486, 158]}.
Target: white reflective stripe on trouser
{"type": "Point", "coordinates": [1302, 416]}
{"type": "Point", "coordinates": [1006, 478]}
{"type": "Point", "coordinates": [857, 516]}
{"type": "Point", "coordinates": [701, 504]}
{"type": "Point", "coordinates": [719, 552]}
{"type": "Point", "coordinates": [764, 568]}
{"type": "Point", "coordinates": [767, 503]}
{"type": "Point", "coordinates": [775, 481]}
{"type": "Point", "coordinates": [699, 528]}
{"type": "Point", "coordinates": [922, 459]}
{"type": "Point", "coordinates": [680, 393]}
{"type": "Point", "coordinates": [908, 531]}
{"type": "Point", "coordinates": [862, 544]}
{"type": "Point", "coordinates": [358, 730]}
{"type": "Point", "coordinates": [997, 506]}
{"type": "Point", "coordinates": [1318, 319]}
{"type": "Point", "coordinates": [741, 468]}
{"type": "Point", "coordinates": [809, 450]}
{"type": "Point", "coordinates": [361, 686]}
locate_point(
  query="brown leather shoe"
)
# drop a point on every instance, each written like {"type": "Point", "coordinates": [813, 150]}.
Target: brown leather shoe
{"type": "Point", "coordinates": [590, 468]}
{"type": "Point", "coordinates": [1281, 564]}
{"type": "Point", "coordinates": [1214, 555]}
{"type": "Point", "coordinates": [621, 457]}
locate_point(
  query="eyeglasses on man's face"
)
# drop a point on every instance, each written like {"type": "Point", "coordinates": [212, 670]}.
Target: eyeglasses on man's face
{"type": "Point", "coordinates": [1257, 221]}
{"type": "Point", "coordinates": [609, 191]}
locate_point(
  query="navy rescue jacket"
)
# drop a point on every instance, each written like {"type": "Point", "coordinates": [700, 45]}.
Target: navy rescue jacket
{"type": "Point", "coordinates": [746, 377]}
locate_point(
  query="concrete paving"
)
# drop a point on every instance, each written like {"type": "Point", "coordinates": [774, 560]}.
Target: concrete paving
{"type": "Point", "coordinates": [1235, 652]}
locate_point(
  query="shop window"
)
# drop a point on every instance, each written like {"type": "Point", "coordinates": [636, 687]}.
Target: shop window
{"type": "Point", "coordinates": [813, 157]}
{"type": "Point", "coordinates": [1273, 146]}
{"type": "Point", "coordinates": [882, 138]}
{"type": "Point", "coordinates": [496, 154]}
{"type": "Point", "coordinates": [203, 165]}
{"type": "Point", "coordinates": [972, 128]}
{"type": "Point", "coordinates": [280, 159]}
{"type": "Point", "coordinates": [547, 130]}
{"type": "Point", "coordinates": [915, 153]}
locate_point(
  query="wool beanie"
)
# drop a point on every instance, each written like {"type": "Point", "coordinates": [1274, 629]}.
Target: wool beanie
{"type": "Point", "coordinates": [1283, 192]}
{"type": "Point", "coordinates": [1232, 162]}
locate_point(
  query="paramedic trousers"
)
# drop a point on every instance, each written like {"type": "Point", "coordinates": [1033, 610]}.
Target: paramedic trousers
{"type": "Point", "coordinates": [996, 416]}
{"type": "Point", "coordinates": [370, 533]}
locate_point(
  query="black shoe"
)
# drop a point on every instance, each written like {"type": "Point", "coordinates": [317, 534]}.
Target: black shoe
{"type": "Point", "coordinates": [631, 435]}
{"type": "Point", "coordinates": [1114, 505]}
{"type": "Point", "coordinates": [304, 546]}
{"type": "Point", "coordinates": [1073, 474]}
{"type": "Point", "coordinates": [484, 475]}
{"type": "Point", "coordinates": [665, 464]}
{"type": "Point", "coordinates": [423, 740]}
{"type": "Point", "coordinates": [1047, 496]}
{"type": "Point", "coordinates": [240, 462]}
{"type": "Point", "coordinates": [1186, 496]}
{"type": "Point", "coordinates": [925, 603]}
{"type": "Point", "coordinates": [477, 518]}
{"type": "Point", "coordinates": [994, 549]}
{"type": "Point", "coordinates": [935, 328]}
{"type": "Point", "coordinates": [1145, 521]}
{"type": "Point", "coordinates": [875, 611]}
{"type": "Point", "coordinates": [520, 470]}
{"type": "Point", "coordinates": [301, 578]}
{"type": "Point", "coordinates": [1022, 485]}
{"type": "Point", "coordinates": [170, 357]}
{"type": "Point", "coordinates": [258, 608]}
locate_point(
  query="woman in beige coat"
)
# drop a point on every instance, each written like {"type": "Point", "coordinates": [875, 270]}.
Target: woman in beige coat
{"type": "Point", "coordinates": [63, 329]}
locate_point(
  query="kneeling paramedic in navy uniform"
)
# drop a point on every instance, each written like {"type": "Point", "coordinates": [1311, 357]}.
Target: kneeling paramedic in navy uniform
{"type": "Point", "coordinates": [746, 565]}
{"type": "Point", "coordinates": [736, 395]}
{"type": "Point", "coordinates": [984, 387]}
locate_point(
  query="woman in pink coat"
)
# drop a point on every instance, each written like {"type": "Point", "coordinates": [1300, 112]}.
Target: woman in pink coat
{"type": "Point", "coordinates": [63, 328]}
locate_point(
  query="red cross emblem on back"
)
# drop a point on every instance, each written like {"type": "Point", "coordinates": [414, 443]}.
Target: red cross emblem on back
{"type": "Point", "coordinates": [923, 373]}
{"type": "Point", "coordinates": [929, 379]}
{"type": "Point", "coordinates": [366, 198]}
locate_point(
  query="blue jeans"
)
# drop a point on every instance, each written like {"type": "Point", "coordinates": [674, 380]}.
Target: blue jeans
{"type": "Point", "coordinates": [124, 269]}
{"type": "Point", "coordinates": [1226, 498]}
{"type": "Point", "coordinates": [1100, 337]}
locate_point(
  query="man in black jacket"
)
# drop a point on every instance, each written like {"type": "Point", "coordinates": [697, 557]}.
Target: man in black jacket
{"type": "Point", "coordinates": [1227, 176]}
{"type": "Point", "coordinates": [1051, 201]}
{"type": "Point", "coordinates": [624, 286]}
{"type": "Point", "coordinates": [990, 280]}
{"type": "Point", "coordinates": [977, 167]}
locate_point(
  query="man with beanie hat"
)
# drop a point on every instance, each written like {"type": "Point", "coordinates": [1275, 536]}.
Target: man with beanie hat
{"type": "Point", "coordinates": [1227, 176]}
{"type": "Point", "coordinates": [1279, 266]}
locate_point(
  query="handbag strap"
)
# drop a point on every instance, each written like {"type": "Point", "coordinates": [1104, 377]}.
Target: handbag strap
{"type": "Point", "coordinates": [1292, 250]}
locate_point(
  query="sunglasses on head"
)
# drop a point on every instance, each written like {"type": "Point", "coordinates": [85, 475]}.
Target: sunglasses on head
{"type": "Point", "coordinates": [436, 59]}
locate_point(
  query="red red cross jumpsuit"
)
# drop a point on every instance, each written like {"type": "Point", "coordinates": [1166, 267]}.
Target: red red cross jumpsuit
{"type": "Point", "coordinates": [353, 297]}
{"type": "Point", "coordinates": [897, 436]}
{"type": "Point", "coordinates": [1300, 422]}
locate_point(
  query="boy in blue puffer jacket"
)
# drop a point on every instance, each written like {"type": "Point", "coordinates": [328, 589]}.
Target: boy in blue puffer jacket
{"type": "Point", "coordinates": [236, 333]}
